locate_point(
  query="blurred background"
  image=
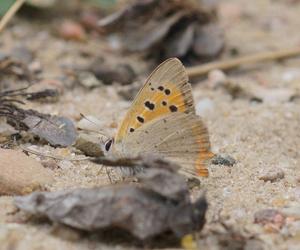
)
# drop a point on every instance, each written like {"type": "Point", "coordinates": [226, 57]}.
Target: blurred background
{"type": "Point", "coordinates": [92, 56]}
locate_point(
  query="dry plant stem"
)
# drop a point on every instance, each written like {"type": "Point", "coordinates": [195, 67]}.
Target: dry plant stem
{"type": "Point", "coordinates": [203, 69]}
{"type": "Point", "coordinates": [10, 13]}
{"type": "Point", "coordinates": [53, 156]}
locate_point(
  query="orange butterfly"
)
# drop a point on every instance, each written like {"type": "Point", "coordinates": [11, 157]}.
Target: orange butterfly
{"type": "Point", "coordinates": [162, 121]}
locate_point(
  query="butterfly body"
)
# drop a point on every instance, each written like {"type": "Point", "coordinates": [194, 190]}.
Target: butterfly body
{"type": "Point", "coordinates": [162, 122]}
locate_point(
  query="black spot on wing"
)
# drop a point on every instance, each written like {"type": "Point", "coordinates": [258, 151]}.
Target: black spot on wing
{"type": "Point", "coordinates": [140, 119]}
{"type": "Point", "coordinates": [161, 88]}
{"type": "Point", "coordinates": [164, 103]}
{"type": "Point", "coordinates": [131, 130]}
{"type": "Point", "coordinates": [149, 105]}
{"type": "Point", "coordinates": [167, 91]}
{"type": "Point", "coordinates": [173, 108]}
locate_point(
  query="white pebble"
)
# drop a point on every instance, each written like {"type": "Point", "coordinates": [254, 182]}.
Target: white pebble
{"type": "Point", "coordinates": [290, 75]}
{"type": "Point", "coordinates": [216, 77]}
{"type": "Point", "coordinates": [64, 164]}
{"type": "Point", "coordinates": [204, 107]}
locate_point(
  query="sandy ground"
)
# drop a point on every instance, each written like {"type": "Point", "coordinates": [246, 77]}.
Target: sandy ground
{"type": "Point", "coordinates": [262, 137]}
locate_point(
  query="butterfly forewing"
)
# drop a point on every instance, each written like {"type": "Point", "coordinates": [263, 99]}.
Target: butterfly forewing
{"type": "Point", "coordinates": [166, 91]}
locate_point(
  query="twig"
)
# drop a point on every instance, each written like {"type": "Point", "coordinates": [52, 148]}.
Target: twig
{"type": "Point", "coordinates": [10, 13]}
{"type": "Point", "coordinates": [53, 156]}
{"type": "Point", "coordinates": [203, 69]}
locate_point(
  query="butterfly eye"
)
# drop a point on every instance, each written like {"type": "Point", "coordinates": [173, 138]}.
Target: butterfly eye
{"type": "Point", "coordinates": [108, 144]}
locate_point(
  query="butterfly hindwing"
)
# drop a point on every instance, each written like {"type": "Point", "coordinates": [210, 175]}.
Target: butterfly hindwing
{"type": "Point", "coordinates": [166, 91]}
{"type": "Point", "coordinates": [181, 138]}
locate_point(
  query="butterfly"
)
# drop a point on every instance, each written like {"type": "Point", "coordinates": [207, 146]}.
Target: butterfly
{"type": "Point", "coordinates": [162, 121]}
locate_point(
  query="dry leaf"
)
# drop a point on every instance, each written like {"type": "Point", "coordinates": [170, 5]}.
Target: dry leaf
{"type": "Point", "coordinates": [58, 131]}
{"type": "Point", "coordinates": [167, 28]}
{"type": "Point", "coordinates": [145, 210]}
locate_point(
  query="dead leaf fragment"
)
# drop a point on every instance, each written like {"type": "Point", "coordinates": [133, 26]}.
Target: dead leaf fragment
{"type": "Point", "coordinates": [180, 42]}
{"type": "Point", "coordinates": [166, 29]}
{"type": "Point", "coordinates": [153, 32]}
{"type": "Point", "coordinates": [57, 130]}
{"type": "Point", "coordinates": [144, 210]}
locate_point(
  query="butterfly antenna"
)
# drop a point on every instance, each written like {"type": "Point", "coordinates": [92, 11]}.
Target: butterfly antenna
{"type": "Point", "coordinates": [92, 130]}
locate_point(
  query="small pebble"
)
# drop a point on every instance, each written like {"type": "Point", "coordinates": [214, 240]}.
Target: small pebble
{"type": "Point", "coordinates": [290, 75]}
{"type": "Point", "coordinates": [225, 160]}
{"type": "Point", "coordinates": [109, 73]}
{"type": "Point", "coordinates": [208, 40]}
{"type": "Point", "coordinates": [189, 242]}
{"type": "Point", "coordinates": [297, 193]}
{"type": "Point", "coordinates": [216, 78]}
{"type": "Point", "coordinates": [21, 174]}
{"type": "Point", "coordinates": [271, 219]}
{"type": "Point", "coordinates": [193, 183]}
{"type": "Point", "coordinates": [70, 30]}
{"type": "Point", "coordinates": [35, 67]}
{"type": "Point", "coordinates": [89, 19]}
{"type": "Point", "coordinates": [239, 213]}
{"type": "Point", "coordinates": [50, 164]}
{"type": "Point", "coordinates": [271, 175]}
{"type": "Point", "coordinates": [204, 107]}
{"type": "Point", "coordinates": [88, 80]}
{"type": "Point", "coordinates": [227, 192]}
{"type": "Point", "coordinates": [278, 95]}
{"type": "Point", "coordinates": [88, 144]}
{"type": "Point", "coordinates": [65, 165]}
